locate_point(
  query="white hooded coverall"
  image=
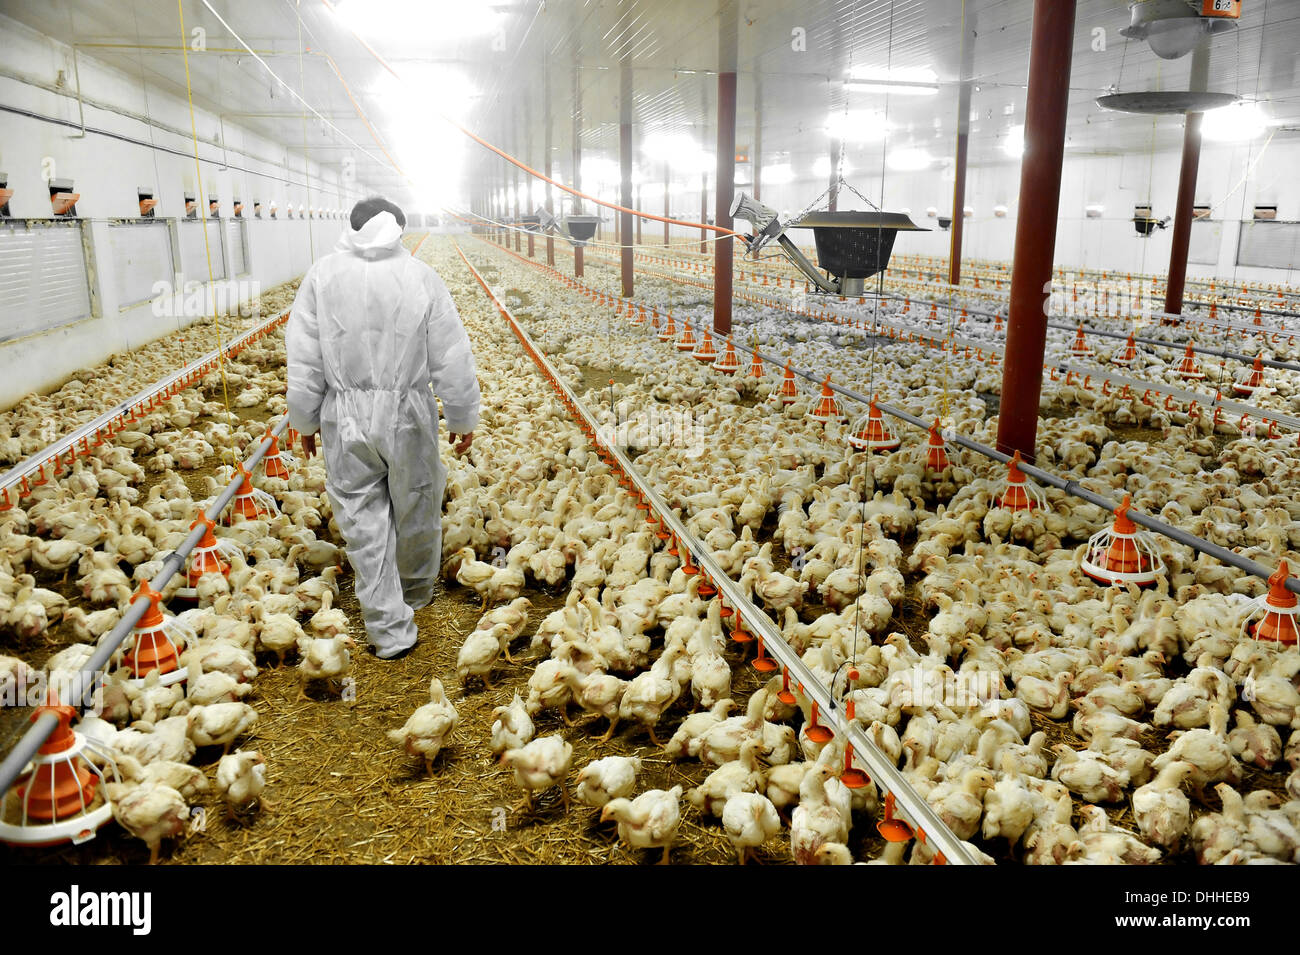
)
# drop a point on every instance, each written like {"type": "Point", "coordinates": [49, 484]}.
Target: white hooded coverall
{"type": "Point", "coordinates": [371, 329]}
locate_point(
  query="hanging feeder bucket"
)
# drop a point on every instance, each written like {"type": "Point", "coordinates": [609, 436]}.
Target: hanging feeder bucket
{"type": "Point", "coordinates": [827, 408]}
{"type": "Point", "coordinates": [788, 393]}
{"type": "Point", "coordinates": [1021, 494]}
{"type": "Point", "coordinates": [705, 352]}
{"type": "Point", "coordinates": [250, 503]}
{"type": "Point", "coordinates": [209, 556]}
{"type": "Point", "coordinates": [1121, 554]}
{"type": "Point", "coordinates": [728, 364]}
{"type": "Point", "coordinates": [58, 799]}
{"type": "Point", "coordinates": [1253, 383]}
{"type": "Point", "coordinates": [1276, 612]}
{"type": "Point", "coordinates": [875, 434]}
{"type": "Point", "coordinates": [156, 642]}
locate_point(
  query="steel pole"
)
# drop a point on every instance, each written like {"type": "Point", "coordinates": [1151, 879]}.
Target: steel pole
{"type": "Point", "coordinates": [724, 192]}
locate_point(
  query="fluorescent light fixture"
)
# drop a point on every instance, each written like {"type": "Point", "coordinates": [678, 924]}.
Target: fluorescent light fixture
{"type": "Point", "coordinates": [1235, 123]}
{"type": "Point", "coordinates": [419, 22]}
{"type": "Point", "coordinates": [901, 81]}
{"type": "Point", "coordinates": [1014, 143]}
{"type": "Point", "coordinates": [858, 126]}
{"type": "Point", "coordinates": [822, 167]}
{"type": "Point", "coordinates": [908, 160]}
{"type": "Point", "coordinates": [778, 174]}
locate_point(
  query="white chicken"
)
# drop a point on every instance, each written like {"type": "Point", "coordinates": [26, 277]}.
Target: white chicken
{"type": "Point", "coordinates": [604, 780]}
{"type": "Point", "coordinates": [649, 821]}
{"type": "Point", "coordinates": [426, 730]}
{"type": "Point", "coordinates": [749, 819]}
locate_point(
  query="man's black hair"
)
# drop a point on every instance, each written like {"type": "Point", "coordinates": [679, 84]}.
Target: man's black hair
{"type": "Point", "coordinates": [367, 209]}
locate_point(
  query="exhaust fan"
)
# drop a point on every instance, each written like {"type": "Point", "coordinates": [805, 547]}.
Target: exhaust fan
{"type": "Point", "coordinates": [851, 246]}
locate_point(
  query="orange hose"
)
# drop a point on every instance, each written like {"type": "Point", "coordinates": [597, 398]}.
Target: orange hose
{"type": "Point", "coordinates": [528, 169]}
{"type": "Point", "coordinates": [362, 113]}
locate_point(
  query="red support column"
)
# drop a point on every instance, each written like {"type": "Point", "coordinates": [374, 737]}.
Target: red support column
{"type": "Point", "coordinates": [959, 184]}
{"type": "Point", "coordinates": [550, 190]}
{"type": "Point", "coordinates": [724, 192]}
{"type": "Point", "coordinates": [667, 214]}
{"type": "Point", "coordinates": [625, 175]}
{"type": "Point", "coordinates": [1182, 235]}
{"type": "Point", "coordinates": [704, 211]}
{"type": "Point", "coordinates": [1051, 46]}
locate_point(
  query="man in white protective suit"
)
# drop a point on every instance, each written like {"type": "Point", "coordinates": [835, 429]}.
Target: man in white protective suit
{"type": "Point", "coordinates": [371, 330]}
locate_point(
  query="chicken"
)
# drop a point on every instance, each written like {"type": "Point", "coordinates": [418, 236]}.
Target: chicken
{"type": "Point", "coordinates": [323, 658]}
{"type": "Point", "coordinates": [514, 618]}
{"type": "Point", "coordinates": [328, 621]}
{"type": "Point", "coordinates": [1088, 774]}
{"type": "Point", "coordinates": [815, 821]}
{"type": "Point", "coordinates": [740, 775]}
{"type": "Point", "coordinates": [649, 821]}
{"type": "Point", "coordinates": [187, 780]}
{"type": "Point", "coordinates": [604, 780]}
{"type": "Point", "coordinates": [1256, 743]}
{"type": "Point", "coordinates": [220, 724]}
{"type": "Point", "coordinates": [426, 730]}
{"type": "Point", "coordinates": [166, 740]}
{"type": "Point", "coordinates": [689, 735]}
{"type": "Point", "coordinates": [479, 653]}
{"type": "Point", "coordinates": [1208, 751]}
{"type": "Point", "coordinates": [1009, 808]}
{"type": "Point", "coordinates": [1051, 697]}
{"type": "Point", "coordinates": [598, 693]}
{"type": "Point", "coordinates": [650, 693]}
{"type": "Point", "coordinates": [1163, 813]}
{"type": "Point", "coordinates": [539, 765]}
{"type": "Point", "coordinates": [961, 805]}
{"type": "Point", "coordinates": [241, 781]}
{"type": "Point", "coordinates": [749, 819]}
{"type": "Point", "coordinates": [512, 727]}
{"type": "Point", "coordinates": [150, 811]}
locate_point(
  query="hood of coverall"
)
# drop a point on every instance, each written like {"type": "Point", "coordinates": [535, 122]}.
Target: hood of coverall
{"type": "Point", "coordinates": [380, 236]}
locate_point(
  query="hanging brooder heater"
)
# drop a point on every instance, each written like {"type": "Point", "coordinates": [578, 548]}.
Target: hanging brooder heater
{"type": "Point", "coordinates": [851, 246]}
{"type": "Point", "coordinates": [1144, 223]}
{"type": "Point", "coordinates": [1173, 28]}
{"type": "Point", "coordinates": [531, 224]}
{"type": "Point", "coordinates": [580, 229]}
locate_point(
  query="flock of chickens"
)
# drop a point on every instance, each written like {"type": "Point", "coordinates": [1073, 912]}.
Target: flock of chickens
{"type": "Point", "coordinates": [965, 635]}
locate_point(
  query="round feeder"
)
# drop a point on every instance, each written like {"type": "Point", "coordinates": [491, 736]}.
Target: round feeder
{"type": "Point", "coordinates": [276, 463]}
{"type": "Point", "coordinates": [1276, 610]}
{"type": "Point", "coordinates": [853, 246]}
{"type": "Point", "coordinates": [1253, 383]}
{"type": "Point", "coordinates": [669, 330]}
{"type": "Point", "coordinates": [687, 342]}
{"type": "Point", "coordinates": [728, 364]}
{"type": "Point", "coordinates": [875, 435]}
{"type": "Point", "coordinates": [154, 642]}
{"type": "Point", "coordinates": [1126, 357]}
{"type": "Point", "coordinates": [1187, 367]}
{"type": "Point", "coordinates": [892, 828]}
{"type": "Point", "coordinates": [936, 455]}
{"type": "Point", "coordinates": [705, 352]}
{"type": "Point", "coordinates": [827, 408]}
{"type": "Point", "coordinates": [1122, 554]}
{"type": "Point", "coordinates": [580, 229]}
{"type": "Point", "coordinates": [788, 393]}
{"type": "Point", "coordinates": [250, 503]}
{"type": "Point", "coordinates": [209, 556]}
{"type": "Point", "coordinates": [57, 799]}
{"type": "Point", "coordinates": [1080, 349]}
{"type": "Point", "coordinates": [1020, 494]}
{"type": "Point", "coordinates": [755, 363]}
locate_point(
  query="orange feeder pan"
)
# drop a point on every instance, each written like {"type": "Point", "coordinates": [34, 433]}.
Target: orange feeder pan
{"type": "Point", "coordinates": [250, 503]}
{"type": "Point", "coordinates": [875, 436]}
{"type": "Point", "coordinates": [1187, 368]}
{"type": "Point", "coordinates": [762, 662]}
{"type": "Point", "coordinates": [1080, 347]}
{"type": "Point", "coordinates": [786, 695]}
{"type": "Point", "coordinates": [1253, 383]}
{"type": "Point", "coordinates": [56, 798]}
{"type": "Point", "coordinates": [852, 777]}
{"type": "Point", "coordinates": [154, 642]}
{"type": "Point", "coordinates": [669, 331]}
{"type": "Point", "coordinates": [209, 556]}
{"type": "Point", "coordinates": [1020, 495]}
{"type": "Point", "coordinates": [276, 463]}
{"type": "Point", "coordinates": [1126, 357]}
{"type": "Point", "coordinates": [788, 393]}
{"type": "Point", "coordinates": [1122, 554]}
{"type": "Point", "coordinates": [755, 364]}
{"type": "Point", "coordinates": [705, 352]}
{"type": "Point", "coordinates": [936, 455]}
{"type": "Point", "coordinates": [1278, 606]}
{"type": "Point", "coordinates": [728, 364]}
{"type": "Point", "coordinates": [688, 341]}
{"type": "Point", "coordinates": [827, 408]}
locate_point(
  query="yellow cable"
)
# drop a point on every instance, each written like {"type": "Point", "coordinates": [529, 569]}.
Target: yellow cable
{"type": "Point", "coordinates": [207, 246]}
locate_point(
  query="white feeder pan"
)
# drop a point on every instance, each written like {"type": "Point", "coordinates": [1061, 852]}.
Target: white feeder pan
{"type": "Point", "coordinates": [75, 829]}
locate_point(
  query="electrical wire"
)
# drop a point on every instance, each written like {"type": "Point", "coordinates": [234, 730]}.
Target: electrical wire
{"type": "Point", "coordinates": [207, 244]}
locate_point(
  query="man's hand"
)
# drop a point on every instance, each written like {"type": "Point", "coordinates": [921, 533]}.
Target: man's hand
{"type": "Point", "coordinates": [308, 445]}
{"type": "Point", "coordinates": [460, 442]}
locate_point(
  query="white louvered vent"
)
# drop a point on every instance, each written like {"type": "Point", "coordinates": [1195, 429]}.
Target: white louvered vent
{"type": "Point", "coordinates": [140, 257]}
{"type": "Point", "coordinates": [43, 281]}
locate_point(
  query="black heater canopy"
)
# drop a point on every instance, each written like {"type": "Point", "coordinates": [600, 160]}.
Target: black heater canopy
{"type": "Point", "coordinates": [581, 229]}
{"type": "Point", "coordinates": [853, 246]}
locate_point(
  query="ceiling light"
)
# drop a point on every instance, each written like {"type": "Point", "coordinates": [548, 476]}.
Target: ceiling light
{"type": "Point", "coordinates": [1234, 123]}
{"type": "Point", "coordinates": [822, 167]}
{"type": "Point", "coordinates": [1173, 27]}
{"type": "Point", "coordinates": [902, 81]}
{"type": "Point", "coordinates": [778, 174]}
{"type": "Point", "coordinates": [680, 151]}
{"type": "Point", "coordinates": [858, 126]}
{"type": "Point", "coordinates": [1014, 143]}
{"type": "Point", "coordinates": [908, 160]}
{"type": "Point", "coordinates": [417, 22]}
